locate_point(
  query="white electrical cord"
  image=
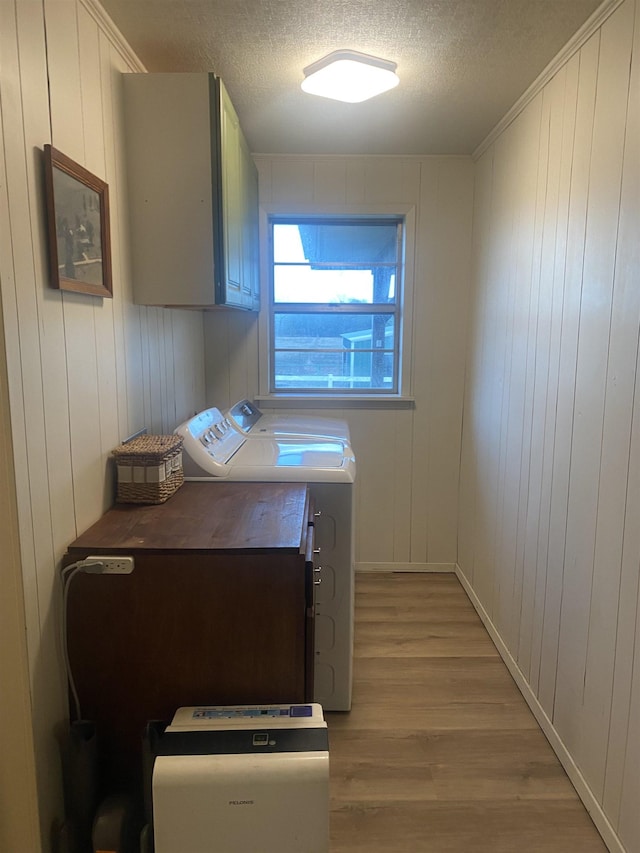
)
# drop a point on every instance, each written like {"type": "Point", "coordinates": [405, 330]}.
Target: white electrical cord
{"type": "Point", "coordinates": [94, 567]}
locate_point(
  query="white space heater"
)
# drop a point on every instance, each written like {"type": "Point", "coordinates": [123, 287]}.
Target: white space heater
{"type": "Point", "coordinates": [243, 779]}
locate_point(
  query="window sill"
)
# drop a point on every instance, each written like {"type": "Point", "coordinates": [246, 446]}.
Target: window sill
{"type": "Point", "coordinates": [341, 401]}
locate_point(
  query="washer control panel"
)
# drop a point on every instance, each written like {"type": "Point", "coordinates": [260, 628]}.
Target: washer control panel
{"type": "Point", "coordinates": [211, 440]}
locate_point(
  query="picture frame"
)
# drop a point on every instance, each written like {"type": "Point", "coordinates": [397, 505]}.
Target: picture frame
{"type": "Point", "coordinates": [78, 226]}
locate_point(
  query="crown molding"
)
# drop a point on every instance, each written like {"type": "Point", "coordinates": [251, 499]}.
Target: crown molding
{"type": "Point", "coordinates": [96, 11]}
{"type": "Point", "coordinates": [574, 44]}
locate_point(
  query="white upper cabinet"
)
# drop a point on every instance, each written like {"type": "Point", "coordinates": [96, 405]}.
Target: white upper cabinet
{"type": "Point", "coordinates": [193, 194]}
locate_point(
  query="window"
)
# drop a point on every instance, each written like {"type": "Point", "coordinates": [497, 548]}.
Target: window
{"type": "Point", "coordinates": [335, 305]}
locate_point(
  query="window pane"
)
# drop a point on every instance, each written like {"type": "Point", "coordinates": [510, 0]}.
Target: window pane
{"type": "Point", "coordinates": [287, 245]}
{"type": "Point", "coordinates": [298, 283]}
{"type": "Point", "coordinates": [355, 243]}
{"type": "Point", "coordinates": [341, 262]}
{"type": "Point", "coordinates": [349, 351]}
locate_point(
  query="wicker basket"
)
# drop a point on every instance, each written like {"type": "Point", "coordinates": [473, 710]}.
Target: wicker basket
{"type": "Point", "coordinates": [149, 469]}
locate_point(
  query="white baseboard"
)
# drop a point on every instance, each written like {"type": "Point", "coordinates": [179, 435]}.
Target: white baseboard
{"type": "Point", "coordinates": [405, 567]}
{"type": "Point", "coordinates": [583, 790]}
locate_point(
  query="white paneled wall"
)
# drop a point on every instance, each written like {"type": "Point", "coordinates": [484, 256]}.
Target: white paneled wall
{"type": "Point", "coordinates": [544, 526]}
{"type": "Point", "coordinates": [18, 795]}
{"type": "Point", "coordinates": [550, 480]}
{"type": "Point", "coordinates": [83, 372]}
{"type": "Point", "coordinates": [408, 458]}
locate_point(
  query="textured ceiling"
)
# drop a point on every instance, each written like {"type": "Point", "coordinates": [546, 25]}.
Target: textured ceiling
{"type": "Point", "coordinates": [461, 63]}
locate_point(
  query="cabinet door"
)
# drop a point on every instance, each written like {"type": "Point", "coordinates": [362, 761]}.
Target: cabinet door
{"type": "Point", "coordinates": [250, 231]}
{"type": "Point", "coordinates": [232, 204]}
{"type": "Point", "coordinates": [185, 628]}
{"type": "Point", "coordinates": [237, 284]}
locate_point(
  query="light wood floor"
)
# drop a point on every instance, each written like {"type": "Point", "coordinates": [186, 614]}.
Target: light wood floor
{"type": "Point", "coordinates": [440, 752]}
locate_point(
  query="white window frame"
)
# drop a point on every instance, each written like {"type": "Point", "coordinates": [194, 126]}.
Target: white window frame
{"type": "Point", "coordinates": [405, 314]}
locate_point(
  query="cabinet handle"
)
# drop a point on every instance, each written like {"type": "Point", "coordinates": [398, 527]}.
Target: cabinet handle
{"type": "Point", "coordinates": [317, 513]}
{"type": "Point", "coordinates": [317, 550]}
{"type": "Point", "coordinates": [317, 582]}
{"type": "Point", "coordinates": [317, 569]}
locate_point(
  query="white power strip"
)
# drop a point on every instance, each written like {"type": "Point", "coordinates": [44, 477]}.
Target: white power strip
{"type": "Point", "coordinates": [114, 565]}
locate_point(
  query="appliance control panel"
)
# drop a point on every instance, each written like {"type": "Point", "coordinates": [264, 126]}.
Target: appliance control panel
{"type": "Point", "coordinates": [234, 712]}
{"type": "Point", "coordinates": [211, 440]}
{"type": "Point", "coordinates": [247, 716]}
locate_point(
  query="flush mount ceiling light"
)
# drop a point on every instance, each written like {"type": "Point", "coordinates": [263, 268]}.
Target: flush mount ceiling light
{"type": "Point", "coordinates": [346, 75]}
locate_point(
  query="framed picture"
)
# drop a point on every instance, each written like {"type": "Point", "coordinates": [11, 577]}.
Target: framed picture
{"type": "Point", "coordinates": [78, 220]}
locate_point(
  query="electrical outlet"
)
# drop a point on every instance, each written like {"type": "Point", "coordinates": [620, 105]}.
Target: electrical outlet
{"type": "Point", "coordinates": [114, 565]}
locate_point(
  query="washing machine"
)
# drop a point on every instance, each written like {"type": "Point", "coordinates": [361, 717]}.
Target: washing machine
{"type": "Point", "coordinates": [216, 450]}
{"type": "Point", "coordinates": [247, 418]}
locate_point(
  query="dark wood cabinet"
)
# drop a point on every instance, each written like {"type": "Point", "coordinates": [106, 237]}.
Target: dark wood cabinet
{"type": "Point", "coordinates": [218, 609]}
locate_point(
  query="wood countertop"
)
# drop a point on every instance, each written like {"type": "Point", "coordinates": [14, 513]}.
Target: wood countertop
{"type": "Point", "coordinates": [255, 517]}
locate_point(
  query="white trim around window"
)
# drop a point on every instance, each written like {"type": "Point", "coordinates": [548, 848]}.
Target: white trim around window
{"type": "Point", "coordinates": [403, 397]}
